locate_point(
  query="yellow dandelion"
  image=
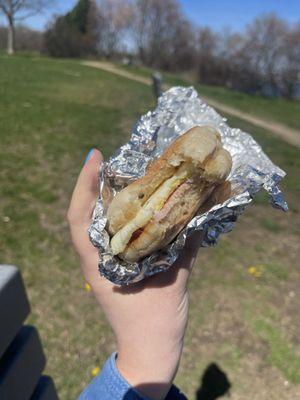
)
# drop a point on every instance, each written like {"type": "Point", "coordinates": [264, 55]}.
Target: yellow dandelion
{"type": "Point", "coordinates": [256, 270]}
{"type": "Point", "coordinates": [251, 270]}
{"type": "Point", "coordinates": [95, 371]}
{"type": "Point", "coordinates": [87, 287]}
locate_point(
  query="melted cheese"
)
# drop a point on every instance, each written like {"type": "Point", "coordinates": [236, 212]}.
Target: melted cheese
{"type": "Point", "coordinates": [153, 204]}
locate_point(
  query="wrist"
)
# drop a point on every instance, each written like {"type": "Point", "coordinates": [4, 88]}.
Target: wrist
{"type": "Point", "coordinates": [150, 372]}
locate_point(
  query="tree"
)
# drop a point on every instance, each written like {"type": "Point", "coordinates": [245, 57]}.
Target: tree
{"type": "Point", "coordinates": [73, 34]}
{"type": "Point", "coordinates": [113, 19]}
{"type": "Point", "coordinates": [15, 10]}
{"type": "Point", "coordinates": [183, 46]}
{"type": "Point", "coordinates": [61, 40]}
{"type": "Point", "coordinates": [265, 47]}
{"type": "Point", "coordinates": [291, 69]}
{"type": "Point", "coordinates": [206, 54]}
{"type": "Point", "coordinates": [79, 15]}
{"type": "Point", "coordinates": [162, 35]}
{"type": "Point", "coordinates": [140, 27]}
{"type": "Point", "coordinates": [232, 66]}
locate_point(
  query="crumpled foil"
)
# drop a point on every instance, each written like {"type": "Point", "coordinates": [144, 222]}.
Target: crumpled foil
{"type": "Point", "coordinates": [178, 110]}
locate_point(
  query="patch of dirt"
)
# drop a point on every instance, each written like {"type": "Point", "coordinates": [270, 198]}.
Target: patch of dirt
{"type": "Point", "coordinates": [106, 66]}
{"type": "Point", "coordinates": [261, 382]}
{"type": "Point", "coordinates": [286, 133]}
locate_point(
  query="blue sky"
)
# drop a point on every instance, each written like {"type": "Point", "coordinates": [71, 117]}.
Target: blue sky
{"type": "Point", "coordinates": [237, 13]}
{"type": "Point", "coordinates": [214, 13]}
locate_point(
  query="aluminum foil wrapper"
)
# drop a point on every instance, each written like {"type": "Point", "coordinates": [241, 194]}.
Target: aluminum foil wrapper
{"type": "Point", "coordinates": [178, 110]}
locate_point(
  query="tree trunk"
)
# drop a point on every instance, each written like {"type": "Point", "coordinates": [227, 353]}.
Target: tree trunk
{"type": "Point", "coordinates": [10, 36]}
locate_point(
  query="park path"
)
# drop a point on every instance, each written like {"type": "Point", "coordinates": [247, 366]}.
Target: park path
{"type": "Point", "coordinates": [286, 133]}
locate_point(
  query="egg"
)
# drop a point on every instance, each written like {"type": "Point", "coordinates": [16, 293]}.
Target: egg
{"type": "Point", "coordinates": [153, 204]}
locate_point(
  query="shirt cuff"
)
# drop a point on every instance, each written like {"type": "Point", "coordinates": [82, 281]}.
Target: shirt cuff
{"type": "Point", "coordinates": [109, 384]}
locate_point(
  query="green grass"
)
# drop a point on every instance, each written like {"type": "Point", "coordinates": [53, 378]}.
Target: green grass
{"type": "Point", "coordinates": [52, 112]}
{"type": "Point", "coordinates": [277, 109]}
{"type": "Point", "coordinates": [281, 353]}
{"type": "Point", "coordinates": [278, 271]}
{"type": "Point", "coordinates": [270, 224]}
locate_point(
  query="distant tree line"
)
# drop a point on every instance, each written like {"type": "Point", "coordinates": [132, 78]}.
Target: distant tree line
{"type": "Point", "coordinates": [265, 57]}
{"type": "Point", "coordinates": [15, 11]}
{"type": "Point", "coordinates": [26, 39]}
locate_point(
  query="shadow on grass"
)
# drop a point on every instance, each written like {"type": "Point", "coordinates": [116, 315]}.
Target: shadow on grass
{"type": "Point", "coordinates": [214, 384]}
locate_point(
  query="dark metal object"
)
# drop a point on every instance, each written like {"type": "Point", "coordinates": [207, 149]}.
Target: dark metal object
{"type": "Point", "coordinates": [45, 389]}
{"type": "Point", "coordinates": [14, 305]}
{"type": "Point", "coordinates": [21, 365]}
{"type": "Point", "coordinates": [22, 359]}
{"type": "Point", "coordinates": [157, 82]}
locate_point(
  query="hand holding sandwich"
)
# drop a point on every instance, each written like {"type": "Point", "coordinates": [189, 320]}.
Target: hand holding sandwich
{"type": "Point", "coordinates": [148, 318]}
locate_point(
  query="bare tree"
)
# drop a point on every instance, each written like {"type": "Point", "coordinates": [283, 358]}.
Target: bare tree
{"type": "Point", "coordinates": [113, 18]}
{"type": "Point", "coordinates": [161, 33]}
{"type": "Point", "coordinates": [291, 70]}
{"type": "Point", "coordinates": [265, 46]}
{"type": "Point", "coordinates": [140, 27]}
{"type": "Point", "coordinates": [233, 71]}
{"type": "Point", "coordinates": [183, 46]}
{"type": "Point", "coordinates": [15, 10]}
{"type": "Point", "coordinates": [207, 45]}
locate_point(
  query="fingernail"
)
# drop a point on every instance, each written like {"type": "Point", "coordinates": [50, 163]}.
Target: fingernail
{"type": "Point", "coordinates": [89, 156]}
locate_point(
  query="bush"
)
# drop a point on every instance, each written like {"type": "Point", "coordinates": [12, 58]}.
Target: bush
{"type": "Point", "coordinates": [71, 35]}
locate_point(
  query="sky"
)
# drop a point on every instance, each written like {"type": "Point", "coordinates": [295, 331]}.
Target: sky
{"type": "Point", "coordinates": [216, 14]}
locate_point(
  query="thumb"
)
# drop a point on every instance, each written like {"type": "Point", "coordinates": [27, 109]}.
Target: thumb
{"type": "Point", "coordinates": [80, 212]}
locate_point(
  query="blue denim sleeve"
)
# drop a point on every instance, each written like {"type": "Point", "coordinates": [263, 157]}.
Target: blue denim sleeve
{"type": "Point", "coordinates": [110, 385]}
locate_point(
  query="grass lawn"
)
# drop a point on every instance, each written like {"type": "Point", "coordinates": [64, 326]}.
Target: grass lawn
{"type": "Point", "coordinates": [52, 112]}
{"type": "Point", "coordinates": [278, 110]}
